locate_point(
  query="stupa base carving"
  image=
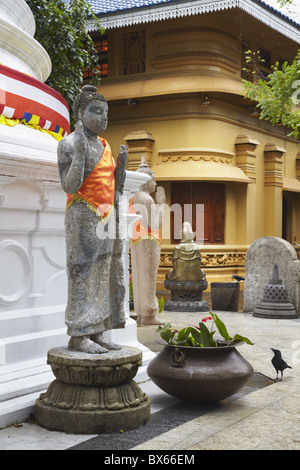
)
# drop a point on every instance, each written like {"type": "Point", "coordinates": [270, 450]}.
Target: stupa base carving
{"type": "Point", "coordinates": [93, 394]}
{"type": "Point", "coordinates": [271, 310]}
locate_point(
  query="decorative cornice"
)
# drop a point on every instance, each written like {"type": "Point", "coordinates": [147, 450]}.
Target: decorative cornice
{"type": "Point", "coordinates": [189, 8]}
{"type": "Point", "coordinates": [210, 260]}
{"type": "Point", "coordinates": [207, 155]}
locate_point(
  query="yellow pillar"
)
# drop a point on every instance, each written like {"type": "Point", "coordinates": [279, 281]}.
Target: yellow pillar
{"type": "Point", "coordinates": [245, 148]}
{"type": "Point", "coordinates": [139, 143]}
{"type": "Point", "coordinates": [273, 182]}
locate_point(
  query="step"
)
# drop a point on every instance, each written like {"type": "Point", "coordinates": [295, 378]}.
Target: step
{"type": "Point", "coordinates": [18, 409]}
{"type": "Point", "coordinates": [35, 380]}
{"type": "Point", "coordinates": [31, 346]}
{"type": "Point", "coordinates": [24, 321]}
{"type": "Point", "coordinates": [20, 386]}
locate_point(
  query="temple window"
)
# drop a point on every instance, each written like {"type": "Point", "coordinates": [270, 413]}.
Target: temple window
{"type": "Point", "coordinates": [193, 197]}
{"type": "Point", "coordinates": [101, 44]}
{"type": "Point", "coordinates": [134, 53]}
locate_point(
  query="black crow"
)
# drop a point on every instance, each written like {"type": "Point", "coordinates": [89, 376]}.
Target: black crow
{"type": "Point", "coordinates": [278, 363]}
{"type": "Point", "coordinates": [238, 278]}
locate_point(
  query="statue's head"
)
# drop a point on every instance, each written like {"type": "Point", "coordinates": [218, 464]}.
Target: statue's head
{"type": "Point", "coordinates": [187, 233]}
{"type": "Point", "coordinates": [144, 168]}
{"type": "Point", "coordinates": [87, 96]}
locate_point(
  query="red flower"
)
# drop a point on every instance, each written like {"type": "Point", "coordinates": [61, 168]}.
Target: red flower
{"type": "Point", "coordinates": [206, 318]}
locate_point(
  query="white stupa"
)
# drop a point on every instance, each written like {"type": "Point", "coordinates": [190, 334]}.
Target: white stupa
{"type": "Point", "coordinates": [33, 118]}
{"type": "Point", "coordinates": [24, 67]}
{"type": "Point", "coordinates": [33, 282]}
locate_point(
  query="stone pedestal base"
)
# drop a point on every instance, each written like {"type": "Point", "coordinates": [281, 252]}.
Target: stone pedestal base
{"type": "Point", "coordinates": [186, 296]}
{"type": "Point", "coordinates": [275, 310]}
{"type": "Point", "coordinates": [93, 394]}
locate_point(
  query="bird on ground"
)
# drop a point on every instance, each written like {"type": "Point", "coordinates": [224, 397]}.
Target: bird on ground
{"type": "Point", "coordinates": [279, 364]}
{"type": "Point", "coordinates": [238, 278]}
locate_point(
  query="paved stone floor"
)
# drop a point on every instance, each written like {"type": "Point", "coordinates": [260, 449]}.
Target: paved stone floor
{"type": "Point", "coordinates": [263, 416]}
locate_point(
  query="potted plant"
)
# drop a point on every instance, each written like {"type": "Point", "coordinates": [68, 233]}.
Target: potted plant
{"type": "Point", "coordinates": [196, 366]}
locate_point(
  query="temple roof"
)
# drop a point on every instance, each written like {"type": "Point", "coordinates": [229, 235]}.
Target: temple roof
{"type": "Point", "coordinates": [120, 13]}
{"type": "Point", "coordinates": [110, 6]}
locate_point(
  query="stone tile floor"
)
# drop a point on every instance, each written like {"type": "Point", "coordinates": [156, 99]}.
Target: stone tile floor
{"type": "Point", "coordinates": [264, 416]}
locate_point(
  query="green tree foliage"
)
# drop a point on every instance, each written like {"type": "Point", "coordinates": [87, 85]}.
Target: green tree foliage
{"type": "Point", "coordinates": [61, 30]}
{"type": "Point", "coordinates": [278, 94]}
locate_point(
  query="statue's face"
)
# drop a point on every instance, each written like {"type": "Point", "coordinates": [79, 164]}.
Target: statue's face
{"type": "Point", "coordinates": [151, 185]}
{"type": "Point", "coordinates": [94, 116]}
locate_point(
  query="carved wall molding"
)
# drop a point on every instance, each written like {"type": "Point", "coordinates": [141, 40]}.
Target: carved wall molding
{"type": "Point", "coordinates": [184, 155]}
{"type": "Point", "coordinates": [210, 260]}
{"type": "Point", "coordinates": [19, 284]}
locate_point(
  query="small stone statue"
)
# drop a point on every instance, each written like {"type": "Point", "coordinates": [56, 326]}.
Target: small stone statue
{"type": "Point", "coordinates": [275, 302]}
{"type": "Point", "coordinates": [186, 258]}
{"type": "Point", "coordinates": [93, 184]}
{"type": "Point", "coordinates": [145, 248]}
{"type": "Point", "coordinates": [186, 280]}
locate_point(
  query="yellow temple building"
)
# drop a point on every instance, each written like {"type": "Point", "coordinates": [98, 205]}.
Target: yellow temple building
{"type": "Point", "coordinates": [172, 74]}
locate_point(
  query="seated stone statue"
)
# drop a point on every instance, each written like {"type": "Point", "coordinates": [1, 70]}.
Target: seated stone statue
{"type": "Point", "coordinates": [186, 258]}
{"type": "Point", "coordinates": [186, 280]}
{"type": "Point", "coordinates": [93, 183]}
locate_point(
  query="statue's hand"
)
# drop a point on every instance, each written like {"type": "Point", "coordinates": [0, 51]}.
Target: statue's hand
{"type": "Point", "coordinates": [160, 195]}
{"type": "Point", "coordinates": [120, 172]}
{"type": "Point", "coordinates": [124, 151]}
{"type": "Point", "coordinates": [79, 138]}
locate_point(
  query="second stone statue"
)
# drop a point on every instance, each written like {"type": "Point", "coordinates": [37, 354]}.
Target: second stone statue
{"type": "Point", "coordinates": [145, 248]}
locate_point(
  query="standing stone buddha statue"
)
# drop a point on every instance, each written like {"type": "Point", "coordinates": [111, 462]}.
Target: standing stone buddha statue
{"type": "Point", "coordinates": [93, 184]}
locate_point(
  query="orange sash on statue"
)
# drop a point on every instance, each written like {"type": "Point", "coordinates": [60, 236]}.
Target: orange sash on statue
{"type": "Point", "coordinates": [140, 232]}
{"type": "Point", "coordinates": [98, 189]}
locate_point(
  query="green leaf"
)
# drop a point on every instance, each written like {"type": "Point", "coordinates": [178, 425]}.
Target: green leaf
{"type": "Point", "coordinates": [206, 336]}
{"type": "Point", "coordinates": [161, 304]}
{"type": "Point", "coordinates": [221, 327]}
{"type": "Point", "coordinates": [185, 338]}
{"type": "Point", "coordinates": [166, 332]}
{"type": "Point", "coordinates": [242, 338]}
